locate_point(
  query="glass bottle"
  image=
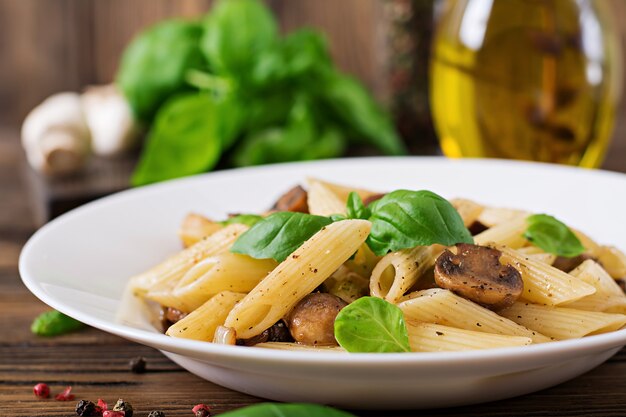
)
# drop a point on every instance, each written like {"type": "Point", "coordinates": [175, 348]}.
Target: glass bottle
{"type": "Point", "coordinates": [525, 79]}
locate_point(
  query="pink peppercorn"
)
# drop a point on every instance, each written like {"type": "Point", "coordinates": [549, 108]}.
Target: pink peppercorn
{"type": "Point", "coordinates": [110, 413]}
{"type": "Point", "coordinates": [65, 395]}
{"type": "Point", "coordinates": [41, 390]}
{"type": "Point", "coordinates": [201, 410]}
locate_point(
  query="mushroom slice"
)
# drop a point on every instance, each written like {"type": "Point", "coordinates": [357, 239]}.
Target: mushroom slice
{"type": "Point", "coordinates": [293, 200]}
{"type": "Point", "coordinates": [476, 273]}
{"type": "Point", "coordinates": [312, 320]}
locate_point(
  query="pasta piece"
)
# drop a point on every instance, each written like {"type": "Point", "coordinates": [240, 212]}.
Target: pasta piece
{"type": "Point", "coordinates": [323, 201]}
{"type": "Point", "coordinates": [440, 306]}
{"type": "Point", "coordinates": [398, 271]}
{"type": "Point", "coordinates": [613, 260]}
{"type": "Point", "coordinates": [543, 283]}
{"type": "Point", "coordinates": [223, 272]}
{"type": "Point", "coordinates": [166, 275]}
{"type": "Point", "coordinates": [299, 347]}
{"type": "Point", "coordinates": [509, 233]}
{"type": "Point", "coordinates": [201, 323]}
{"type": "Point", "coordinates": [608, 297]}
{"type": "Point", "coordinates": [427, 337]}
{"type": "Point", "coordinates": [468, 210]}
{"type": "Point", "coordinates": [591, 247]}
{"type": "Point", "coordinates": [343, 191]}
{"type": "Point", "coordinates": [493, 216]}
{"type": "Point", "coordinates": [195, 228]}
{"type": "Point", "coordinates": [347, 285]}
{"type": "Point", "coordinates": [563, 323]}
{"type": "Point", "coordinates": [297, 276]}
{"type": "Point", "coordinates": [363, 262]}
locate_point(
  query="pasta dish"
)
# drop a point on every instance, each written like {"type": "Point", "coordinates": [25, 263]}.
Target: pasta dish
{"type": "Point", "coordinates": [333, 268]}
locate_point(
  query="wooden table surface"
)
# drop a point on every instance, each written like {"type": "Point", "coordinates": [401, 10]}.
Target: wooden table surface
{"type": "Point", "coordinates": [95, 363]}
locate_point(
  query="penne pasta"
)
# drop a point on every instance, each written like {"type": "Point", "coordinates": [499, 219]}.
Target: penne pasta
{"type": "Point", "coordinates": [322, 200]}
{"type": "Point", "coordinates": [468, 210]}
{"type": "Point", "coordinates": [509, 234]}
{"type": "Point", "coordinates": [427, 337]}
{"type": "Point", "coordinates": [201, 323]}
{"type": "Point", "coordinates": [166, 275]}
{"type": "Point", "coordinates": [561, 322]}
{"type": "Point", "coordinates": [545, 284]}
{"type": "Point", "coordinates": [439, 306]}
{"type": "Point", "coordinates": [608, 297]}
{"type": "Point", "coordinates": [398, 271]}
{"type": "Point", "coordinates": [195, 227]}
{"type": "Point", "coordinates": [297, 276]}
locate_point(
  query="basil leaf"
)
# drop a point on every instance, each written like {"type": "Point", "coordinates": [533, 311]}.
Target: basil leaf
{"type": "Point", "coordinates": [355, 207]}
{"type": "Point", "coordinates": [278, 235]}
{"type": "Point", "coordinates": [404, 219]}
{"type": "Point", "coordinates": [247, 219]}
{"type": "Point", "coordinates": [287, 410]}
{"type": "Point", "coordinates": [355, 108]}
{"type": "Point", "coordinates": [154, 65]}
{"type": "Point", "coordinates": [185, 139]}
{"type": "Point", "coordinates": [54, 323]}
{"type": "Point", "coordinates": [337, 217]}
{"type": "Point", "coordinates": [371, 324]}
{"type": "Point", "coordinates": [553, 236]}
{"type": "Point", "coordinates": [236, 33]}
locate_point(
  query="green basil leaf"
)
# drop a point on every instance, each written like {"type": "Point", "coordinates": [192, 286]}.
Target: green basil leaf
{"type": "Point", "coordinates": [247, 219]}
{"type": "Point", "coordinates": [371, 324]}
{"type": "Point", "coordinates": [236, 33]}
{"type": "Point", "coordinates": [154, 65]}
{"type": "Point", "coordinates": [355, 207]}
{"type": "Point", "coordinates": [54, 323]}
{"type": "Point", "coordinates": [185, 139]}
{"type": "Point", "coordinates": [337, 217]}
{"type": "Point", "coordinates": [356, 109]}
{"type": "Point", "coordinates": [553, 236]}
{"type": "Point", "coordinates": [278, 235]}
{"type": "Point", "coordinates": [404, 219]}
{"type": "Point", "coordinates": [300, 140]}
{"type": "Point", "coordinates": [287, 410]}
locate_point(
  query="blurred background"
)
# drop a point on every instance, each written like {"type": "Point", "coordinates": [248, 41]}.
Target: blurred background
{"type": "Point", "coordinates": [65, 45]}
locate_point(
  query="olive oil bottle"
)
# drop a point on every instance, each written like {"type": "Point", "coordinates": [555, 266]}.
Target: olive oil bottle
{"type": "Point", "coordinates": [525, 79]}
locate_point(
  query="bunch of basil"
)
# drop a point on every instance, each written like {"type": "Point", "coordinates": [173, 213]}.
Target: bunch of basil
{"type": "Point", "coordinates": [230, 89]}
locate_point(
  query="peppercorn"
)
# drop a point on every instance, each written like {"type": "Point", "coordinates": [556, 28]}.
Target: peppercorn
{"type": "Point", "coordinates": [124, 406]}
{"type": "Point", "coordinates": [137, 365]}
{"type": "Point", "coordinates": [41, 390]}
{"type": "Point", "coordinates": [156, 414]}
{"type": "Point", "coordinates": [86, 408]}
{"type": "Point", "coordinates": [111, 413]}
{"type": "Point", "coordinates": [201, 410]}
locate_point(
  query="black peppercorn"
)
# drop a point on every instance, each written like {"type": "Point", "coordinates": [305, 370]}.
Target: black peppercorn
{"type": "Point", "coordinates": [124, 406]}
{"type": "Point", "coordinates": [156, 414]}
{"type": "Point", "coordinates": [85, 408]}
{"type": "Point", "coordinates": [137, 365]}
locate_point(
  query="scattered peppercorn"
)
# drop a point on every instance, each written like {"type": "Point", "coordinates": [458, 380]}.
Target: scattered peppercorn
{"type": "Point", "coordinates": [124, 406]}
{"type": "Point", "coordinates": [41, 390]}
{"type": "Point", "coordinates": [201, 410]}
{"type": "Point", "coordinates": [86, 408]}
{"type": "Point", "coordinates": [156, 414]}
{"type": "Point", "coordinates": [137, 365]}
{"type": "Point", "coordinates": [65, 395]}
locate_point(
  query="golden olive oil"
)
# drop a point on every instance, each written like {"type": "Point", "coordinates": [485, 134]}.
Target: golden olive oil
{"type": "Point", "coordinates": [525, 79]}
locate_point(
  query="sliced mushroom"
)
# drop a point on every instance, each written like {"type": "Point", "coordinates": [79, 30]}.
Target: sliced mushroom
{"type": "Point", "coordinates": [312, 320]}
{"type": "Point", "coordinates": [476, 273]}
{"type": "Point", "coordinates": [293, 200]}
{"type": "Point", "coordinates": [568, 264]}
{"type": "Point", "coordinates": [374, 197]}
{"type": "Point", "coordinates": [277, 333]}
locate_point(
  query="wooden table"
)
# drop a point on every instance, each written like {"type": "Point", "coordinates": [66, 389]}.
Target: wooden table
{"type": "Point", "coordinates": [95, 363]}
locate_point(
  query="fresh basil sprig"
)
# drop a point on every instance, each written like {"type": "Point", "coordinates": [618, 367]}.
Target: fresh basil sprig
{"type": "Point", "coordinates": [278, 235]}
{"type": "Point", "coordinates": [284, 410]}
{"type": "Point", "coordinates": [404, 219]}
{"type": "Point", "coordinates": [553, 236]}
{"type": "Point", "coordinates": [355, 207]}
{"type": "Point", "coordinates": [371, 324]}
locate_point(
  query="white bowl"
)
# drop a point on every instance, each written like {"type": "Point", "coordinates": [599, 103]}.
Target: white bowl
{"type": "Point", "coordinates": [79, 264]}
